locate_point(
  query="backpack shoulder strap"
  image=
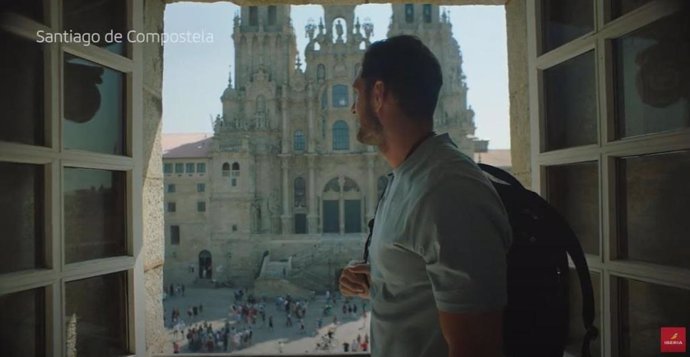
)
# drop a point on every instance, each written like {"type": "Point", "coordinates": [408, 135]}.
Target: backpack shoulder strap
{"type": "Point", "coordinates": [500, 174]}
{"type": "Point", "coordinates": [574, 249]}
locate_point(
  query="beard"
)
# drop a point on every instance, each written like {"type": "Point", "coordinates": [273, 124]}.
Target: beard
{"type": "Point", "coordinates": [370, 130]}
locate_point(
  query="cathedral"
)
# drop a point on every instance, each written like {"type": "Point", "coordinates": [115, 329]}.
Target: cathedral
{"type": "Point", "coordinates": [283, 180]}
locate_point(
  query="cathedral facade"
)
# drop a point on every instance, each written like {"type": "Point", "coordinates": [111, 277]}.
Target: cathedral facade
{"type": "Point", "coordinates": [284, 178]}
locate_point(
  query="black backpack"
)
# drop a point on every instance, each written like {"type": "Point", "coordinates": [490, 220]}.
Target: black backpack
{"type": "Point", "coordinates": [536, 318]}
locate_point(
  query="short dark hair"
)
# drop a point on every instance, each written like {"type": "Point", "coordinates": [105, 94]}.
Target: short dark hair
{"type": "Point", "coordinates": [408, 69]}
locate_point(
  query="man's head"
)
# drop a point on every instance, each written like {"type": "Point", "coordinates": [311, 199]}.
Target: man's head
{"type": "Point", "coordinates": [402, 70]}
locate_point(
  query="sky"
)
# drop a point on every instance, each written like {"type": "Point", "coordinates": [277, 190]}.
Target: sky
{"type": "Point", "coordinates": [195, 74]}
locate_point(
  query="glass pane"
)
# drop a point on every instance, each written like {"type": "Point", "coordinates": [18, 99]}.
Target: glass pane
{"type": "Point", "coordinates": [21, 91]}
{"type": "Point", "coordinates": [353, 216]}
{"type": "Point", "coordinates": [622, 7]}
{"type": "Point", "coordinates": [32, 9]}
{"type": "Point", "coordinates": [21, 216]}
{"type": "Point", "coordinates": [23, 330]}
{"type": "Point", "coordinates": [94, 117]}
{"type": "Point", "coordinates": [644, 309]}
{"type": "Point", "coordinates": [96, 309]}
{"type": "Point", "coordinates": [576, 329]}
{"type": "Point", "coordinates": [106, 18]}
{"type": "Point", "coordinates": [655, 201]}
{"type": "Point", "coordinates": [574, 191]}
{"type": "Point", "coordinates": [571, 103]}
{"type": "Point", "coordinates": [652, 77]}
{"type": "Point", "coordinates": [331, 216]}
{"type": "Point", "coordinates": [564, 21]}
{"type": "Point", "coordinates": [95, 207]}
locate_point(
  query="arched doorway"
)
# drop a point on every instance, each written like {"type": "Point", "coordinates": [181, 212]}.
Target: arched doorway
{"type": "Point", "coordinates": [205, 265]}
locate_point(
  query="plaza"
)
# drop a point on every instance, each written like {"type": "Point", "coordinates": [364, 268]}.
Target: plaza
{"type": "Point", "coordinates": [216, 306]}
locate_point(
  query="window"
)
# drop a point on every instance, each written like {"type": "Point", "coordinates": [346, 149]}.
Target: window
{"type": "Point", "coordinates": [189, 168]}
{"type": "Point", "coordinates": [613, 154]}
{"type": "Point", "coordinates": [331, 216]}
{"type": "Point", "coordinates": [298, 142]}
{"type": "Point", "coordinates": [233, 182]}
{"type": "Point", "coordinates": [340, 96]}
{"type": "Point", "coordinates": [341, 136]}
{"type": "Point", "coordinates": [71, 182]}
{"type": "Point", "coordinates": [174, 235]}
{"type": "Point", "coordinates": [426, 10]}
{"type": "Point", "coordinates": [272, 16]}
{"type": "Point", "coordinates": [300, 192]}
{"type": "Point", "coordinates": [201, 167]}
{"type": "Point", "coordinates": [201, 187]}
{"type": "Point", "coordinates": [235, 169]}
{"type": "Point", "coordinates": [171, 188]}
{"type": "Point", "coordinates": [253, 16]}
{"type": "Point", "coordinates": [179, 168]}
{"type": "Point", "coordinates": [320, 73]}
{"type": "Point", "coordinates": [234, 228]}
{"type": "Point", "coordinates": [409, 13]}
{"type": "Point", "coordinates": [201, 206]}
{"type": "Point", "coordinates": [172, 207]}
{"type": "Point", "coordinates": [167, 168]}
{"type": "Point", "coordinates": [226, 169]}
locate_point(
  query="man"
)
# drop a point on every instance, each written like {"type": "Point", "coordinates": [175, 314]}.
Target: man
{"type": "Point", "coordinates": [437, 271]}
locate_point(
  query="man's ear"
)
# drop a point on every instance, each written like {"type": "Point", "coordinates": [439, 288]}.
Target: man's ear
{"type": "Point", "coordinates": [379, 92]}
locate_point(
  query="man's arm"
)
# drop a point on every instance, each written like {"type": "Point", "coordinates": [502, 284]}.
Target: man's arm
{"type": "Point", "coordinates": [472, 334]}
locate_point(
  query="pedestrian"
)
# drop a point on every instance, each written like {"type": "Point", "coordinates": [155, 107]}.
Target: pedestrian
{"type": "Point", "coordinates": [441, 233]}
{"type": "Point", "coordinates": [270, 322]}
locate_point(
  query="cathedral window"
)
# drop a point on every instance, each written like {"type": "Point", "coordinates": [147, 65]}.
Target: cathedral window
{"type": "Point", "coordinates": [409, 13]}
{"type": "Point", "coordinates": [235, 169]}
{"type": "Point", "coordinates": [340, 96]}
{"type": "Point", "coordinates": [427, 13]}
{"type": "Point", "coordinates": [320, 73]}
{"type": "Point", "coordinates": [272, 16]}
{"type": "Point", "coordinates": [226, 169]}
{"type": "Point", "coordinates": [341, 136]}
{"type": "Point", "coordinates": [300, 192]}
{"type": "Point", "coordinates": [298, 143]}
{"type": "Point", "coordinates": [253, 16]}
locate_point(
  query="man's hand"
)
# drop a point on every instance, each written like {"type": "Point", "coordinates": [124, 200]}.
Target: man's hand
{"type": "Point", "coordinates": [354, 280]}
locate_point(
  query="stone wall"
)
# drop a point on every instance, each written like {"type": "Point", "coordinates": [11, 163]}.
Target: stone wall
{"type": "Point", "coordinates": [156, 337]}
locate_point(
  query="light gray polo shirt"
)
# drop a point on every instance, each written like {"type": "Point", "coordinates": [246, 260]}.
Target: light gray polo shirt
{"type": "Point", "coordinates": [439, 243]}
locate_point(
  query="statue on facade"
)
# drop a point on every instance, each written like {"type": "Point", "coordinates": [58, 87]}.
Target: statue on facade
{"type": "Point", "coordinates": [339, 31]}
{"type": "Point", "coordinates": [310, 28]}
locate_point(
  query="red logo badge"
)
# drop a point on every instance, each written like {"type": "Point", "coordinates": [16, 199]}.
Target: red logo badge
{"type": "Point", "coordinates": [673, 339]}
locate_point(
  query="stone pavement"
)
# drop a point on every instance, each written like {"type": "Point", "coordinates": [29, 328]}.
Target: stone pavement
{"type": "Point", "coordinates": [216, 305]}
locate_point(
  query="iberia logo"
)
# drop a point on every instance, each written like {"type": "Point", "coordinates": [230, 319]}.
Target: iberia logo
{"type": "Point", "coordinates": [673, 339]}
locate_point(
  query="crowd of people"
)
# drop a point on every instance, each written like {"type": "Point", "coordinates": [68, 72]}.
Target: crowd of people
{"type": "Point", "coordinates": [246, 314]}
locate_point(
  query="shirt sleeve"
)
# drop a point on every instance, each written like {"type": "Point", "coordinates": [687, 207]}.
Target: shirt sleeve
{"type": "Point", "coordinates": [462, 232]}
